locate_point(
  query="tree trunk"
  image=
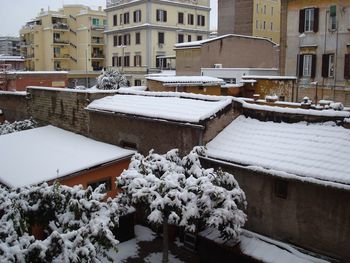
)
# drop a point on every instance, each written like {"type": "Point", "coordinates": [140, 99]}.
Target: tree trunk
{"type": "Point", "coordinates": [165, 240]}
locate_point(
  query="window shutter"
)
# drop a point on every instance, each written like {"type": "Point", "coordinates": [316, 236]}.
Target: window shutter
{"type": "Point", "coordinates": [300, 58]}
{"type": "Point", "coordinates": [134, 16]}
{"type": "Point", "coordinates": [325, 65]}
{"type": "Point", "coordinates": [316, 15]}
{"type": "Point", "coordinates": [165, 16]}
{"type": "Point", "coordinates": [115, 19]}
{"type": "Point", "coordinates": [140, 60]}
{"type": "Point", "coordinates": [313, 66]}
{"type": "Point", "coordinates": [135, 61]}
{"type": "Point", "coordinates": [347, 67]}
{"type": "Point", "coordinates": [301, 20]}
{"type": "Point", "coordinates": [203, 20]}
{"type": "Point", "coordinates": [158, 14]}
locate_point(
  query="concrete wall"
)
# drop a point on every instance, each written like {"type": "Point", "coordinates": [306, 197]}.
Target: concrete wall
{"type": "Point", "coordinates": [14, 106]}
{"type": "Point", "coordinates": [231, 52]}
{"type": "Point", "coordinates": [312, 216]}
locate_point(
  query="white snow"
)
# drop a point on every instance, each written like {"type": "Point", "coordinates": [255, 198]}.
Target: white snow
{"type": "Point", "coordinates": [88, 90]}
{"type": "Point", "coordinates": [46, 153]}
{"type": "Point", "coordinates": [20, 93]}
{"type": "Point", "coordinates": [144, 233]}
{"type": "Point", "coordinates": [318, 151]}
{"type": "Point", "coordinates": [326, 113]}
{"type": "Point", "coordinates": [263, 248]}
{"type": "Point", "coordinates": [157, 258]}
{"type": "Point", "coordinates": [166, 105]}
{"type": "Point", "coordinates": [270, 77]}
{"type": "Point", "coordinates": [187, 79]}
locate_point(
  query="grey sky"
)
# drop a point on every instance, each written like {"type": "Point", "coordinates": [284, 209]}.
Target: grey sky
{"type": "Point", "coordinates": [15, 13]}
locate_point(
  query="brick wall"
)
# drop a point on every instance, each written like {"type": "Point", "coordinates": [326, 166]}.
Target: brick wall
{"type": "Point", "coordinates": [14, 106]}
{"type": "Point", "coordinates": [62, 108]}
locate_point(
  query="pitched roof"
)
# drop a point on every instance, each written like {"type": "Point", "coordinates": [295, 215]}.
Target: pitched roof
{"type": "Point", "coordinates": [46, 153]}
{"type": "Point", "coordinates": [174, 106]}
{"type": "Point", "coordinates": [317, 151]}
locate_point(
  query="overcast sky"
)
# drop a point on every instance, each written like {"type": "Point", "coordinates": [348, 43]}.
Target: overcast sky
{"type": "Point", "coordinates": [15, 13]}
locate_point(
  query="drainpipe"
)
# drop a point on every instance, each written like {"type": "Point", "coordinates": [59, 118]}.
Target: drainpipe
{"type": "Point", "coordinates": [336, 61]}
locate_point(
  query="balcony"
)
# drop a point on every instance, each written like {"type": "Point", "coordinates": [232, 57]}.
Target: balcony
{"type": "Point", "coordinates": [60, 26]}
{"type": "Point", "coordinates": [98, 27]}
{"type": "Point", "coordinates": [97, 56]}
{"type": "Point", "coordinates": [60, 41]}
{"type": "Point", "coordinates": [96, 41]}
{"type": "Point", "coordinates": [61, 56]}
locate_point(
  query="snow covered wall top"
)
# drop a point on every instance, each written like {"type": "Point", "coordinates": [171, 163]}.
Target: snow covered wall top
{"type": "Point", "coordinates": [46, 153]}
{"type": "Point", "coordinates": [316, 151]}
{"type": "Point", "coordinates": [163, 105]}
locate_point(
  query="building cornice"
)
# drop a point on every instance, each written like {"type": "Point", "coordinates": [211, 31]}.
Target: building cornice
{"type": "Point", "coordinates": [156, 27]}
{"type": "Point", "coordinates": [169, 3]}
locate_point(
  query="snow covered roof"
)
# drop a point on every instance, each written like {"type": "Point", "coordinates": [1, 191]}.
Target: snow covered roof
{"type": "Point", "coordinates": [11, 58]}
{"type": "Point", "coordinates": [174, 106]}
{"type": "Point", "coordinates": [309, 151]}
{"type": "Point", "coordinates": [187, 79]}
{"type": "Point", "coordinates": [46, 153]}
{"type": "Point", "coordinates": [269, 77]}
{"type": "Point", "coordinates": [201, 42]}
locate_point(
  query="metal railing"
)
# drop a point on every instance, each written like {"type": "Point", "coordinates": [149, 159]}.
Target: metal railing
{"type": "Point", "coordinates": [60, 25]}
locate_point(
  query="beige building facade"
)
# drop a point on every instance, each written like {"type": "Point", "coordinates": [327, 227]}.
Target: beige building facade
{"type": "Point", "coordinates": [250, 17]}
{"type": "Point", "coordinates": [69, 39]}
{"type": "Point", "coordinates": [141, 34]}
{"type": "Point", "coordinates": [317, 42]}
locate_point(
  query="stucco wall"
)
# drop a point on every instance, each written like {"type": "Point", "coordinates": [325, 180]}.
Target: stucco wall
{"type": "Point", "coordinates": [312, 216]}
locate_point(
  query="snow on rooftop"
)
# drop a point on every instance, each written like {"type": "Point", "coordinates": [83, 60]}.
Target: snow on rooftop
{"type": "Point", "coordinates": [201, 42]}
{"type": "Point", "coordinates": [163, 105]}
{"type": "Point", "coordinates": [187, 79]}
{"type": "Point", "coordinates": [263, 248]}
{"type": "Point", "coordinates": [269, 77]}
{"type": "Point", "coordinates": [318, 151]}
{"type": "Point", "coordinates": [46, 153]}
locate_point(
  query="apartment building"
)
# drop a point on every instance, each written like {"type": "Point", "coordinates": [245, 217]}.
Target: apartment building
{"type": "Point", "coordinates": [9, 46]}
{"type": "Point", "coordinates": [141, 34]}
{"type": "Point", "coordinates": [317, 42]}
{"type": "Point", "coordinates": [259, 18]}
{"type": "Point", "coordinates": [69, 39]}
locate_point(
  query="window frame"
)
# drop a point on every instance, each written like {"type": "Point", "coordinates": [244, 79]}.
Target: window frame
{"type": "Point", "coordinates": [180, 18]}
{"type": "Point", "coordinates": [307, 65]}
{"type": "Point", "coordinates": [190, 19]}
{"type": "Point", "coordinates": [161, 38]}
{"type": "Point", "coordinates": [309, 20]}
{"type": "Point", "coordinates": [137, 16]}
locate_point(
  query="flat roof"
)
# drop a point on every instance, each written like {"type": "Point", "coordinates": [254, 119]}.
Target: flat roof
{"type": "Point", "coordinates": [173, 106]}
{"type": "Point", "coordinates": [187, 79]}
{"type": "Point", "coordinates": [315, 151]}
{"type": "Point", "coordinates": [269, 77]}
{"type": "Point", "coordinates": [44, 154]}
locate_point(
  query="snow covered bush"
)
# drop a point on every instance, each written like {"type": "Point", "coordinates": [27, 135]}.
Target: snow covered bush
{"type": "Point", "coordinates": [8, 127]}
{"type": "Point", "coordinates": [110, 79]}
{"type": "Point", "coordinates": [78, 224]}
{"type": "Point", "coordinates": [179, 191]}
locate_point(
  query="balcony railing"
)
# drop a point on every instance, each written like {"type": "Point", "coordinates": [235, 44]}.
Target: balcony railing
{"type": "Point", "coordinates": [61, 26]}
{"type": "Point", "coordinates": [97, 55]}
{"type": "Point", "coordinates": [56, 55]}
{"type": "Point", "coordinates": [98, 27]}
{"type": "Point", "coordinates": [98, 41]}
{"type": "Point", "coordinates": [60, 41]}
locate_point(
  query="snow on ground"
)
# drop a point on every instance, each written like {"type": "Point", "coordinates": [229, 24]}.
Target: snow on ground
{"type": "Point", "coordinates": [157, 258]}
{"type": "Point", "coordinates": [162, 107]}
{"type": "Point", "coordinates": [143, 233]}
{"type": "Point", "coordinates": [46, 153]}
{"type": "Point", "coordinates": [318, 151]}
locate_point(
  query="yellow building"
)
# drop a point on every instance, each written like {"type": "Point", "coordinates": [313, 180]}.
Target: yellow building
{"type": "Point", "coordinates": [141, 34]}
{"type": "Point", "coordinates": [251, 17]}
{"type": "Point", "coordinates": [69, 39]}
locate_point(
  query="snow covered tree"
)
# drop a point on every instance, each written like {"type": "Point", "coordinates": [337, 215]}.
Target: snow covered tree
{"type": "Point", "coordinates": [8, 127]}
{"type": "Point", "coordinates": [179, 191]}
{"type": "Point", "coordinates": [110, 79]}
{"type": "Point", "coordinates": [78, 224]}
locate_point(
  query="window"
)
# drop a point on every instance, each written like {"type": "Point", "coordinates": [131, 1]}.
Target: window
{"type": "Point", "coordinates": [272, 10]}
{"type": "Point", "coordinates": [264, 9]}
{"type": "Point", "coordinates": [281, 188]}
{"type": "Point", "coordinates": [115, 20]}
{"type": "Point", "coordinates": [161, 15]}
{"type": "Point", "coordinates": [307, 65]}
{"type": "Point", "coordinates": [333, 18]}
{"type": "Point", "coordinates": [127, 39]}
{"type": "Point", "coordinates": [190, 19]}
{"type": "Point", "coordinates": [328, 65]}
{"type": "Point", "coordinates": [115, 41]}
{"type": "Point", "coordinates": [308, 20]}
{"type": "Point", "coordinates": [160, 62]}
{"type": "Point", "coordinates": [107, 182]}
{"type": "Point", "coordinates": [180, 38]}
{"type": "Point", "coordinates": [256, 24]}
{"type": "Point", "coordinates": [137, 38]}
{"type": "Point", "coordinates": [257, 8]}
{"type": "Point", "coordinates": [137, 61]}
{"type": "Point", "coordinates": [180, 18]}
{"type": "Point", "coordinates": [137, 16]}
{"type": "Point", "coordinates": [119, 61]}
{"type": "Point", "coordinates": [264, 25]}
{"type": "Point", "coordinates": [200, 20]}
{"type": "Point", "coordinates": [199, 38]}
{"type": "Point", "coordinates": [95, 22]}
{"type": "Point", "coordinates": [160, 37]}
{"type": "Point", "coordinates": [126, 61]}
{"type": "Point", "coordinates": [114, 60]}
{"type": "Point", "coordinates": [121, 19]}
{"type": "Point", "coordinates": [189, 38]}
{"type": "Point", "coordinates": [138, 82]}
{"type": "Point", "coordinates": [120, 40]}
{"type": "Point", "coordinates": [347, 66]}
{"type": "Point", "coordinates": [271, 26]}
{"type": "Point", "coordinates": [126, 18]}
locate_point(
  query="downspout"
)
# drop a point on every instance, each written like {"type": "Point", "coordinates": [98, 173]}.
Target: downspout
{"type": "Point", "coordinates": [325, 44]}
{"type": "Point", "coordinates": [335, 62]}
